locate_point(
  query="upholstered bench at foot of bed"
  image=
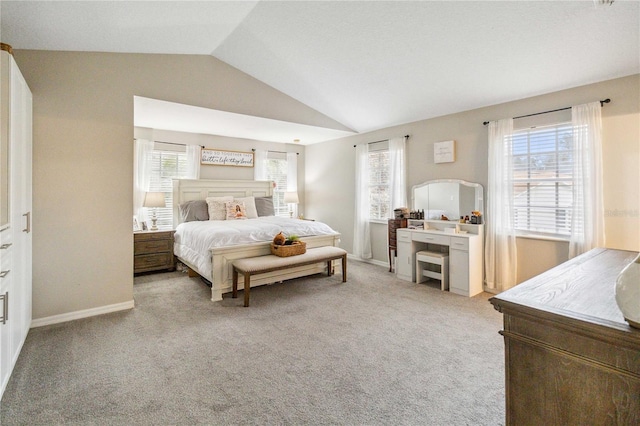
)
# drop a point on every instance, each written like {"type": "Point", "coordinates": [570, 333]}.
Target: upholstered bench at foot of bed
{"type": "Point", "coordinates": [262, 264]}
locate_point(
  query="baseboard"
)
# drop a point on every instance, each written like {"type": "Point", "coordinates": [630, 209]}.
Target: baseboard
{"type": "Point", "coordinates": [86, 313]}
{"type": "Point", "coordinates": [372, 261]}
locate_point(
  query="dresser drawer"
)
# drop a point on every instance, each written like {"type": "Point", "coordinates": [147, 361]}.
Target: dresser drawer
{"type": "Point", "coordinates": [152, 251]}
{"type": "Point", "coordinates": [460, 243]}
{"type": "Point", "coordinates": [153, 236]}
{"type": "Point", "coordinates": [152, 246]}
{"type": "Point", "coordinates": [403, 235]}
{"type": "Point", "coordinates": [151, 262]}
{"type": "Point", "coordinates": [431, 238]}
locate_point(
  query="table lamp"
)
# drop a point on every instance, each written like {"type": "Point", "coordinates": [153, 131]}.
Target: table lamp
{"type": "Point", "coordinates": [291, 198]}
{"type": "Point", "coordinates": [154, 200]}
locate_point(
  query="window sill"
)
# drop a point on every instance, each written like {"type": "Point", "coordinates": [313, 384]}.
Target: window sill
{"type": "Point", "coordinates": [543, 238]}
{"type": "Point", "coordinates": [379, 221]}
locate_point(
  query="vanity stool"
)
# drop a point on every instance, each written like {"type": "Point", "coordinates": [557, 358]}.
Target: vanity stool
{"type": "Point", "coordinates": [435, 258]}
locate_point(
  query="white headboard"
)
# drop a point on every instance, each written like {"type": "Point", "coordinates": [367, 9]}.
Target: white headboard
{"type": "Point", "coordinates": [199, 189]}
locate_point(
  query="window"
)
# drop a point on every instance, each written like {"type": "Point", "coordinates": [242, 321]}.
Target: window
{"type": "Point", "coordinates": [166, 163]}
{"type": "Point", "coordinates": [542, 179]}
{"type": "Point", "coordinates": [277, 171]}
{"type": "Point", "coordinates": [379, 191]}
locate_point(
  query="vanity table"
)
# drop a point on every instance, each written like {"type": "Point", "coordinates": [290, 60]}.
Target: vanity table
{"type": "Point", "coordinates": [465, 250]}
{"type": "Point", "coordinates": [463, 242]}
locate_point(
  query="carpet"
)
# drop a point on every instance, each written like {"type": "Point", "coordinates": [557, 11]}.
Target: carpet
{"type": "Point", "coordinates": [313, 350]}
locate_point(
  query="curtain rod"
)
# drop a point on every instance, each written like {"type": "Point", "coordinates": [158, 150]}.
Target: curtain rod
{"type": "Point", "coordinates": [279, 152]}
{"type": "Point", "coordinates": [179, 144]}
{"type": "Point", "coordinates": [383, 140]}
{"type": "Point", "coordinates": [605, 101]}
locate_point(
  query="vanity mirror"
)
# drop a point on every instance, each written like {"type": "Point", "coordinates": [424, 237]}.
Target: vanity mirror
{"type": "Point", "coordinates": [449, 197]}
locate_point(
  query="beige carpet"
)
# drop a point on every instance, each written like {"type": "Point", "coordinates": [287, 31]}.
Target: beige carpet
{"type": "Point", "coordinates": [372, 351]}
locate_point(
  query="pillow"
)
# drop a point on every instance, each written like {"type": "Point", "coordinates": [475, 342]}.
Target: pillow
{"type": "Point", "coordinates": [249, 205]}
{"type": "Point", "coordinates": [235, 210]}
{"type": "Point", "coordinates": [194, 210]}
{"type": "Point", "coordinates": [217, 207]}
{"type": "Point", "coordinates": [264, 206]}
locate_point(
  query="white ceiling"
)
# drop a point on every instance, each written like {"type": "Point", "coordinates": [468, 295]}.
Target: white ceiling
{"type": "Point", "coordinates": [366, 64]}
{"type": "Point", "coordinates": [158, 114]}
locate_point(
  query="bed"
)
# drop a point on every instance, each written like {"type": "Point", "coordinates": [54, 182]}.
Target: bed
{"type": "Point", "coordinates": [208, 247]}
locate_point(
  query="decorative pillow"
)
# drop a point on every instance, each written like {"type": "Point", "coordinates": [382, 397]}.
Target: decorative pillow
{"type": "Point", "coordinates": [235, 210]}
{"type": "Point", "coordinates": [264, 206]}
{"type": "Point", "coordinates": [217, 207]}
{"type": "Point", "coordinates": [194, 210]}
{"type": "Point", "coordinates": [249, 205]}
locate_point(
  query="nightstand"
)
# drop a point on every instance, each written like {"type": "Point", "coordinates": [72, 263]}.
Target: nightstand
{"type": "Point", "coordinates": [153, 251]}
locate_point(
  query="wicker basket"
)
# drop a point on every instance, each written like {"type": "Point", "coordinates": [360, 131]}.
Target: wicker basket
{"type": "Point", "coordinates": [298, 247]}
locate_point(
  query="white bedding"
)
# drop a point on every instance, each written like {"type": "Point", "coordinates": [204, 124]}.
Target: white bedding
{"type": "Point", "coordinates": [193, 240]}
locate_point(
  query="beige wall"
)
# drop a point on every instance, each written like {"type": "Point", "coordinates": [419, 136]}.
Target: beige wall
{"type": "Point", "coordinates": [227, 143]}
{"type": "Point", "coordinates": [330, 167]}
{"type": "Point", "coordinates": [83, 159]}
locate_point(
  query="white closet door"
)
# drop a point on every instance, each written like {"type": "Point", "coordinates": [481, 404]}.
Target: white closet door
{"type": "Point", "coordinates": [15, 238]}
{"type": "Point", "coordinates": [6, 285]}
{"type": "Point", "coordinates": [20, 135]}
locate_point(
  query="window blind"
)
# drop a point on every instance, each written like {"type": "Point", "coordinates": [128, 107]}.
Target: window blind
{"type": "Point", "coordinates": [277, 172]}
{"type": "Point", "coordinates": [379, 184]}
{"type": "Point", "coordinates": [166, 165]}
{"type": "Point", "coordinates": [542, 179]}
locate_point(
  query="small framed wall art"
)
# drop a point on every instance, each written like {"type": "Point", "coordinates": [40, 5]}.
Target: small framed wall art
{"type": "Point", "coordinates": [444, 152]}
{"type": "Point", "coordinates": [217, 157]}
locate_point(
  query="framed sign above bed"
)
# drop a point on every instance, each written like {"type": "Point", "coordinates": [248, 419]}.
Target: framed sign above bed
{"type": "Point", "coordinates": [217, 157]}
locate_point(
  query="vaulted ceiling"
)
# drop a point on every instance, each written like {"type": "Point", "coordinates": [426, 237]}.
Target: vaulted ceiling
{"type": "Point", "coordinates": [366, 64]}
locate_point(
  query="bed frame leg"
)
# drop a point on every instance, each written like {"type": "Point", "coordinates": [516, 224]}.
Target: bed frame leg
{"type": "Point", "coordinates": [216, 295]}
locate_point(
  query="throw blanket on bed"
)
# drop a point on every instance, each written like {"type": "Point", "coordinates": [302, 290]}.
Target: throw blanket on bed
{"type": "Point", "coordinates": [193, 240]}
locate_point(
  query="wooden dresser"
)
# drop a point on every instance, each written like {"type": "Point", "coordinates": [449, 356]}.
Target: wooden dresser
{"type": "Point", "coordinates": [570, 357]}
{"type": "Point", "coordinates": [153, 251]}
{"type": "Point", "coordinates": [393, 240]}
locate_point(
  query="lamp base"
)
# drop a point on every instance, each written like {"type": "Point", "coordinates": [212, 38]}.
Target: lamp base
{"type": "Point", "coordinates": [154, 227]}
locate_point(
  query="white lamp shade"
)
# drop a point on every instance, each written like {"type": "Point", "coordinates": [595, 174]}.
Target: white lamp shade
{"type": "Point", "coordinates": [291, 197]}
{"type": "Point", "coordinates": [154, 199]}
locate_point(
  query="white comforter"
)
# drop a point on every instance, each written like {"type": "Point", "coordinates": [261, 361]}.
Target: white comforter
{"type": "Point", "coordinates": [193, 240]}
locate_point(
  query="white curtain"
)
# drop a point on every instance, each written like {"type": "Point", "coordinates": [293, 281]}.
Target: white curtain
{"type": "Point", "coordinates": [292, 177]}
{"type": "Point", "coordinates": [141, 176]}
{"type": "Point", "coordinates": [193, 162]}
{"type": "Point", "coordinates": [361, 236]}
{"type": "Point", "coordinates": [587, 219]}
{"type": "Point", "coordinates": [500, 243]}
{"type": "Point", "coordinates": [397, 174]}
{"type": "Point", "coordinates": [260, 164]}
